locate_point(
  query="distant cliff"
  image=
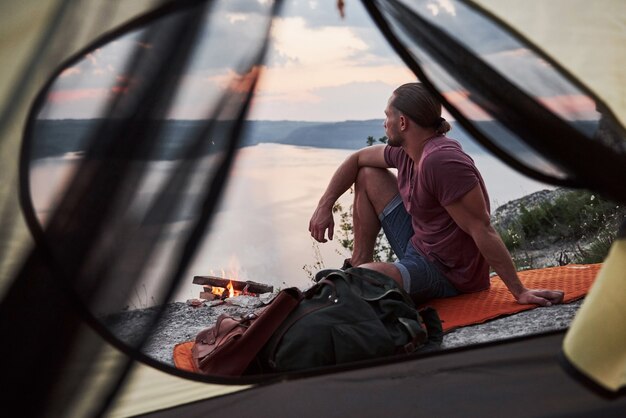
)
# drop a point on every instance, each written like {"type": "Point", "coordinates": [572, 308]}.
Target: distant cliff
{"type": "Point", "coordinates": [58, 137]}
{"type": "Point", "coordinates": [343, 135]}
{"type": "Point", "coordinates": [353, 135]}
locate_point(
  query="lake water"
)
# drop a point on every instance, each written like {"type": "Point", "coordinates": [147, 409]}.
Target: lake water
{"type": "Point", "coordinates": [261, 230]}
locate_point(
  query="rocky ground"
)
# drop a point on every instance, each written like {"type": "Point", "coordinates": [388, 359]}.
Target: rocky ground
{"type": "Point", "coordinates": [182, 321]}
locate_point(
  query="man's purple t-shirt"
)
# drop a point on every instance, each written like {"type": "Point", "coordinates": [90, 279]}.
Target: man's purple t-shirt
{"type": "Point", "coordinates": [444, 174]}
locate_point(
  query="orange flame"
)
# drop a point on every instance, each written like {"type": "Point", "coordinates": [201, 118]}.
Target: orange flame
{"type": "Point", "coordinates": [231, 290]}
{"type": "Point", "coordinates": [219, 291]}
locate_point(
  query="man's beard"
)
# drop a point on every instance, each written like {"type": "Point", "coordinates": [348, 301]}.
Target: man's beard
{"type": "Point", "coordinates": [394, 141]}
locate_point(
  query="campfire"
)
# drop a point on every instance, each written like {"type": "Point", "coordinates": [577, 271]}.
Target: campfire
{"type": "Point", "coordinates": [220, 292]}
{"type": "Point", "coordinates": [216, 288]}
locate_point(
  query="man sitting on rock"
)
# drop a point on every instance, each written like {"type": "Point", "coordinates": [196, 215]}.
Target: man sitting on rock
{"type": "Point", "coordinates": [435, 213]}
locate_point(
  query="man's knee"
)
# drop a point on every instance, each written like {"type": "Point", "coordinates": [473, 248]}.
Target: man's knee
{"type": "Point", "coordinates": [379, 184]}
{"type": "Point", "coordinates": [377, 180]}
{"type": "Point", "coordinates": [373, 174]}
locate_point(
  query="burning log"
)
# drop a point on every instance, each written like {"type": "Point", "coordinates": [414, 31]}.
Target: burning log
{"type": "Point", "coordinates": [208, 295]}
{"type": "Point", "coordinates": [245, 287]}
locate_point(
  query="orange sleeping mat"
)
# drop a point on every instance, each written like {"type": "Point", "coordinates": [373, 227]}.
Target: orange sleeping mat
{"type": "Point", "coordinates": [182, 356]}
{"type": "Point", "coordinates": [475, 308]}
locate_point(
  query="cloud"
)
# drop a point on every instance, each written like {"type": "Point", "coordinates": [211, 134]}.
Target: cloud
{"type": "Point", "coordinates": [530, 73]}
{"type": "Point", "coordinates": [463, 24]}
{"type": "Point", "coordinates": [319, 66]}
{"type": "Point", "coordinates": [236, 17]}
{"type": "Point", "coordinates": [296, 78]}
{"type": "Point", "coordinates": [325, 13]}
{"type": "Point", "coordinates": [245, 6]}
{"type": "Point", "coordinates": [74, 95]}
{"type": "Point", "coordinates": [70, 71]}
{"type": "Point", "coordinates": [353, 100]}
{"type": "Point", "coordinates": [310, 59]}
{"type": "Point", "coordinates": [572, 107]}
{"type": "Point", "coordinates": [228, 35]}
{"type": "Point", "coordinates": [198, 94]}
{"type": "Point", "coordinates": [314, 46]}
{"type": "Point", "coordinates": [460, 100]}
{"type": "Point", "coordinates": [446, 6]}
{"type": "Point", "coordinates": [569, 107]}
{"type": "Point", "coordinates": [99, 68]}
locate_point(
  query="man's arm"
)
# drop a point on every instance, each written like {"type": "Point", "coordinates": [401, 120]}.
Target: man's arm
{"type": "Point", "coordinates": [471, 215]}
{"type": "Point", "coordinates": [345, 176]}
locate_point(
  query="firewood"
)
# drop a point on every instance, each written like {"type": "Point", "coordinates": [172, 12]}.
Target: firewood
{"type": "Point", "coordinates": [252, 287]}
{"type": "Point", "coordinates": [207, 296]}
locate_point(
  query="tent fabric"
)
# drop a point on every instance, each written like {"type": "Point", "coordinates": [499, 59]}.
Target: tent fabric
{"type": "Point", "coordinates": [37, 36]}
{"type": "Point", "coordinates": [75, 240]}
{"type": "Point", "coordinates": [519, 378]}
{"type": "Point", "coordinates": [601, 321]}
{"type": "Point", "coordinates": [587, 39]}
{"type": "Point", "coordinates": [87, 371]}
{"type": "Point", "coordinates": [150, 389]}
{"type": "Point", "coordinates": [584, 37]}
{"type": "Point", "coordinates": [474, 308]}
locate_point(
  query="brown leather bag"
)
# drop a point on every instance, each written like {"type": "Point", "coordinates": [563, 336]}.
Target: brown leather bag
{"type": "Point", "coordinates": [228, 348]}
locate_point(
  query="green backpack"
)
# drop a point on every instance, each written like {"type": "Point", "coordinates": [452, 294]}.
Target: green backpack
{"type": "Point", "coordinates": [350, 315]}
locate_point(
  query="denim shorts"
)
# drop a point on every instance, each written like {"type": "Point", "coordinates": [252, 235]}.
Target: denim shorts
{"type": "Point", "coordinates": [420, 278]}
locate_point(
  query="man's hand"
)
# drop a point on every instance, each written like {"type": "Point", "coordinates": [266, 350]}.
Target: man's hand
{"type": "Point", "coordinates": [540, 297]}
{"type": "Point", "coordinates": [321, 221]}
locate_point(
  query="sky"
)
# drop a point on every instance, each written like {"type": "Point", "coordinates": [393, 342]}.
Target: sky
{"type": "Point", "coordinates": [325, 68]}
{"type": "Point", "coordinates": [319, 66]}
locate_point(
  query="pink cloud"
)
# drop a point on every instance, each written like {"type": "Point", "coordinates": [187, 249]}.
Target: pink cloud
{"type": "Point", "coordinates": [65, 96]}
{"type": "Point", "coordinates": [94, 94]}
{"type": "Point", "coordinates": [460, 100]}
{"type": "Point", "coordinates": [92, 58]}
{"type": "Point", "coordinates": [70, 71]}
{"type": "Point", "coordinates": [566, 106]}
{"type": "Point", "coordinates": [119, 89]}
{"type": "Point", "coordinates": [571, 106]}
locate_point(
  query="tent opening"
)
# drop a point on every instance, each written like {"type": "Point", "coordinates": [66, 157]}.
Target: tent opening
{"type": "Point", "coordinates": [198, 144]}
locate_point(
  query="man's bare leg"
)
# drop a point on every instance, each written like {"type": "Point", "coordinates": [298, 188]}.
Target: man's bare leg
{"type": "Point", "coordinates": [373, 190]}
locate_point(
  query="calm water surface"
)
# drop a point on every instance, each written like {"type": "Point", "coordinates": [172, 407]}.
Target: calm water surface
{"type": "Point", "coordinates": [261, 230]}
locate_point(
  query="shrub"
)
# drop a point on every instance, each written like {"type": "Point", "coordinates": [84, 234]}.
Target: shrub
{"type": "Point", "coordinates": [576, 215]}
